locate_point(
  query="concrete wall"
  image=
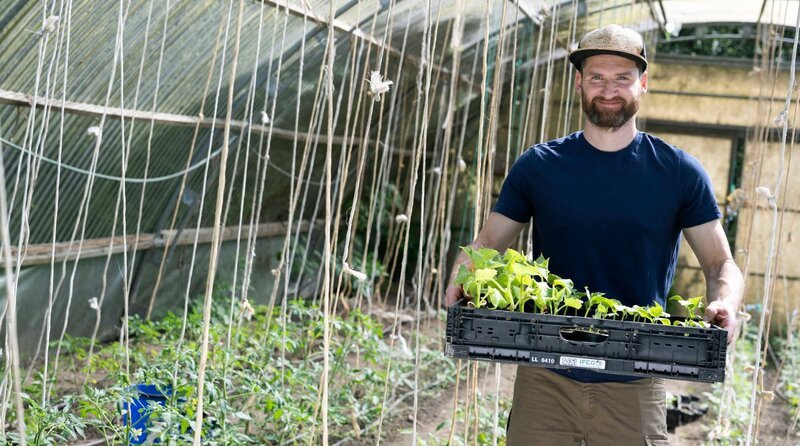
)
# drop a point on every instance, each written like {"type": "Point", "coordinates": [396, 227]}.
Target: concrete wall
{"type": "Point", "coordinates": [703, 109]}
{"type": "Point", "coordinates": [755, 236]}
{"type": "Point", "coordinates": [684, 92]}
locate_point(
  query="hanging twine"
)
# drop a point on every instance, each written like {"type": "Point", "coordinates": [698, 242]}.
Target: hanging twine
{"type": "Point", "coordinates": [215, 239]}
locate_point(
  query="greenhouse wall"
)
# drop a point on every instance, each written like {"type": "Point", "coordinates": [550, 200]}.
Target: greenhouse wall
{"type": "Point", "coordinates": [93, 274]}
{"type": "Point", "coordinates": [709, 109]}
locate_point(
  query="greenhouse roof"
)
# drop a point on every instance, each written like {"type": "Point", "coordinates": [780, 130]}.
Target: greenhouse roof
{"type": "Point", "coordinates": [778, 12]}
{"type": "Point", "coordinates": [164, 67]}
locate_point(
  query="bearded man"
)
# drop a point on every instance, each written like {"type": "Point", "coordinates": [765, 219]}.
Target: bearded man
{"type": "Point", "coordinates": [608, 205]}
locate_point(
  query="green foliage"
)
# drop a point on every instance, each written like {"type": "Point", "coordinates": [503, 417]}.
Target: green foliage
{"type": "Point", "coordinates": [735, 404]}
{"type": "Point", "coordinates": [726, 40]}
{"type": "Point", "coordinates": [790, 380]}
{"type": "Point", "coordinates": [51, 424]}
{"type": "Point", "coordinates": [789, 384]}
{"type": "Point", "coordinates": [262, 390]}
{"type": "Point", "coordinates": [507, 282]}
{"type": "Point", "coordinates": [510, 282]}
{"type": "Point", "coordinates": [694, 307]}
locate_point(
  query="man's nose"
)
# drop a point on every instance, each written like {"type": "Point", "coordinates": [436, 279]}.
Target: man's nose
{"type": "Point", "coordinates": [609, 89]}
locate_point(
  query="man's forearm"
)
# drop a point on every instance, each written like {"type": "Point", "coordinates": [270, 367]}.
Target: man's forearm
{"type": "Point", "coordinates": [725, 283]}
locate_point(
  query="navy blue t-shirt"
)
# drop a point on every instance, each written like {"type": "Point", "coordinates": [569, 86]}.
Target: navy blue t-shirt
{"type": "Point", "coordinates": [610, 221]}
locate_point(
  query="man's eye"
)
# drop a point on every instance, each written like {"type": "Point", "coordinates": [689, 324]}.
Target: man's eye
{"type": "Point", "coordinates": [597, 77]}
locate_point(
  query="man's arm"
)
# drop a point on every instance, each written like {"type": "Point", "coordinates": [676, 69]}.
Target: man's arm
{"type": "Point", "coordinates": [725, 285]}
{"type": "Point", "coordinates": [497, 233]}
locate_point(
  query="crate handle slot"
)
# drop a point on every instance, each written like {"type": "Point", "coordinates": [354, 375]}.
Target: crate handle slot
{"type": "Point", "coordinates": [577, 334]}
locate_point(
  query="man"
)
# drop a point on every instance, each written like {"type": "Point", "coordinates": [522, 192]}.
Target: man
{"type": "Point", "coordinates": [608, 206]}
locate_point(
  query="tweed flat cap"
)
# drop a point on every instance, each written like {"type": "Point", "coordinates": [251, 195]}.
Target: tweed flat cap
{"type": "Point", "coordinates": [611, 39]}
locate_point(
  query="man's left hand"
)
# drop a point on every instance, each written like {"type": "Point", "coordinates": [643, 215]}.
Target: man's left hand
{"type": "Point", "coordinates": [723, 315]}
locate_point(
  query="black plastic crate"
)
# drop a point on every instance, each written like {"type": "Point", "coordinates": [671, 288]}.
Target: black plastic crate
{"type": "Point", "coordinates": [603, 345]}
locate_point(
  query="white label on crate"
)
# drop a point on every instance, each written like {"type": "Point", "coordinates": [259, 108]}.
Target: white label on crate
{"type": "Point", "coordinates": [584, 363]}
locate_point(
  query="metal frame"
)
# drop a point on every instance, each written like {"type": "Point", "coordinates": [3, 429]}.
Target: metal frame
{"type": "Point", "coordinates": [343, 26]}
{"type": "Point", "coordinates": [80, 108]}
{"type": "Point", "coordinates": [43, 253]}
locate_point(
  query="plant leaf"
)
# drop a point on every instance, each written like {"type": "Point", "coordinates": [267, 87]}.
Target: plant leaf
{"type": "Point", "coordinates": [484, 274]}
{"type": "Point", "coordinates": [573, 302]}
{"type": "Point", "coordinates": [524, 269]}
{"type": "Point", "coordinates": [488, 253]}
{"type": "Point", "coordinates": [463, 275]}
{"type": "Point", "coordinates": [655, 310]}
{"type": "Point", "coordinates": [496, 298]}
{"type": "Point", "coordinates": [513, 256]}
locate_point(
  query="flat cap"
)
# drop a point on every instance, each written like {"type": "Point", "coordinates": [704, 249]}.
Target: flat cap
{"type": "Point", "coordinates": [611, 39]}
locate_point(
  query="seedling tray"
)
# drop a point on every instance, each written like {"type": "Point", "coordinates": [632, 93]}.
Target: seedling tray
{"type": "Point", "coordinates": [602, 345]}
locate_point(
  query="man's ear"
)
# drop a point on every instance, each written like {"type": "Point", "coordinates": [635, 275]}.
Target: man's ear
{"type": "Point", "coordinates": [643, 81]}
{"type": "Point", "coordinates": [578, 81]}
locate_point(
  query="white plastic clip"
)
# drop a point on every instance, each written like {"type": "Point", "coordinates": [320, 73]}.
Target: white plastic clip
{"type": "Point", "coordinates": [377, 86]}
{"type": "Point", "coordinates": [94, 130]}
{"type": "Point", "coordinates": [350, 271]}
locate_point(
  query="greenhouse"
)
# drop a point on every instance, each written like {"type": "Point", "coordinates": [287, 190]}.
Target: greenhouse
{"type": "Point", "coordinates": [364, 222]}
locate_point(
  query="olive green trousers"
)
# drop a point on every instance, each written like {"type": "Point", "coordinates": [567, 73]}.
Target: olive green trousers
{"type": "Point", "coordinates": [553, 410]}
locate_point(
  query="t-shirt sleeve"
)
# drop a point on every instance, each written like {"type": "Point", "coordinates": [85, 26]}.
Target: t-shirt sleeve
{"type": "Point", "coordinates": [698, 203]}
{"type": "Point", "coordinates": [515, 201]}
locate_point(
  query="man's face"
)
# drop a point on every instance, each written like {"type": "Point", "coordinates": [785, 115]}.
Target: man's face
{"type": "Point", "coordinates": [610, 88]}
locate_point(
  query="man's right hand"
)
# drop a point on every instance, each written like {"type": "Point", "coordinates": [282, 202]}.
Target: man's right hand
{"type": "Point", "coordinates": [497, 233]}
{"type": "Point", "coordinates": [453, 294]}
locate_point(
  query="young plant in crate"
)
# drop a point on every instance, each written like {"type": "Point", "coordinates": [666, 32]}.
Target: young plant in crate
{"type": "Point", "coordinates": [571, 328]}
{"type": "Point", "coordinates": [694, 308]}
{"type": "Point", "coordinates": [510, 281]}
{"type": "Point", "coordinates": [504, 283]}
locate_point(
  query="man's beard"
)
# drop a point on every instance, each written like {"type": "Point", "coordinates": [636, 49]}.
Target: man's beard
{"type": "Point", "coordinates": [609, 119]}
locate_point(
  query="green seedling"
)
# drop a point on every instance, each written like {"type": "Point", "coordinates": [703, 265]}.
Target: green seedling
{"type": "Point", "coordinates": [510, 281]}
{"type": "Point", "coordinates": [693, 306]}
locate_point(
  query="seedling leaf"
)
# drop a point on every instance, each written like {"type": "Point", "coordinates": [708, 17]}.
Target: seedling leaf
{"type": "Point", "coordinates": [573, 302]}
{"type": "Point", "coordinates": [484, 274]}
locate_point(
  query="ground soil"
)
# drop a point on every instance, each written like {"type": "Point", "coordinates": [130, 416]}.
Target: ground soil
{"type": "Point", "coordinates": [435, 414]}
{"type": "Point", "coordinates": [774, 422]}
{"type": "Point", "coordinates": [439, 410]}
